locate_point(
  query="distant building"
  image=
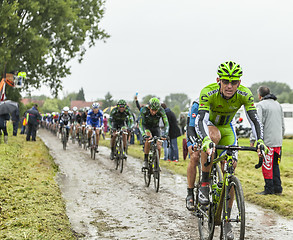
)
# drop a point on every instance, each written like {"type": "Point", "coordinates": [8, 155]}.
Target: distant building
{"type": "Point", "coordinates": [26, 101]}
{"type": "Point", "coordinates": [80, 104]}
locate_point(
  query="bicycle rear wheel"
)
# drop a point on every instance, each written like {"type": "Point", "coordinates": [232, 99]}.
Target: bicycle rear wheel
{"type": "Point", "coordinates": [156, 171]}
{"type": "Point", "coordinates": [237, 216]}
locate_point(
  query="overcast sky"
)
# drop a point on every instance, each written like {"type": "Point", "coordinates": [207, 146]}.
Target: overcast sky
{"type": "Point", "coordinates": [175, 46]}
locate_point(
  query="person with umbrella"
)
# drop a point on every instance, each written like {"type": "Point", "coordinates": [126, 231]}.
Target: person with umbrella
{"type": "Point", "coordinates": [33, 121]}
{"type": "Point", "coordinates": [6, 107]}
{"type": "Point", "coordinates": [3, 119]}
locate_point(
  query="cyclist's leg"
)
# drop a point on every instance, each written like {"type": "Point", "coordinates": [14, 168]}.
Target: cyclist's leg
{"type": "Point", "coordinates": [97, 136]}
{"type": "Point", "coordinates": [146, 149]}
{"type": "Point", "coordinates": [203, 195]}
{"type": "Point", "coordinates": [191, 175]}
{"type": "Point", "coordinates": [89, 135]}
{"type": "Point", "coordinates": [157, 132]}
{"type": "Point", "coordinates": [125, 136]}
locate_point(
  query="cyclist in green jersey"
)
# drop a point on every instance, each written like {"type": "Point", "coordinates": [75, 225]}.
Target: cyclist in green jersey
{"type": "Point", "coordinates": [218, 104]}
{"type": "Point", "coordinates": [120, 117]}
{"type": "Point", "coordinates": [149, 125]}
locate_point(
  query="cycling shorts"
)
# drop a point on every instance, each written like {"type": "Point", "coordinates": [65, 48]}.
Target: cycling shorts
{"type": "Point", "coordinates": [155, 131]}
{"type": "Point", "coordinates": [118, 125]}
{"type": "Point", "coordinates": [228, 137]}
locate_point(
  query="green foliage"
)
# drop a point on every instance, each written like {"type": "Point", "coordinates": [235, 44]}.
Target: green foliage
{"type": "Point", "coordinates": [51, 105]}
{"type": "Point", "coordinates": [177, 99]}
{"type": "Point", "coordinates": [145, 99]}
{"type": "Point", "coordinates": [80, 95]}
{"type": "Point", "coordinates": [108, 101]}
{"type": "Point", "coordinates": [41, 37]}
{"type": "Point", "coordinates": [281, 90]}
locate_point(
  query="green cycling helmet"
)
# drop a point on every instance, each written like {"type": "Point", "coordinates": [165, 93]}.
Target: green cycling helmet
{"type": "Point", "coordinates": [154, 104]}
{"type": "Point", "coordinates": [230, 70]}
{"type": "Point", "coordinates": [121, 103]}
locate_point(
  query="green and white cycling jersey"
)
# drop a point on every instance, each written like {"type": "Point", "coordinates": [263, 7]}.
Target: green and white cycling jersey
{"type": "Point", "coordinates": [215, 109]}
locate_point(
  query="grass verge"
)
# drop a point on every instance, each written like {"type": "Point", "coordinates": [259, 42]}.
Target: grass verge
{"type": "Point", "coordinates": [251, 178]}
{"type": "Point", "coordinates": [31, 202]}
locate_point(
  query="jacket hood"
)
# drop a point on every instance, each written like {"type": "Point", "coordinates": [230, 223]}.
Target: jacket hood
{"type": "Point", "coordinates": [269, 96]}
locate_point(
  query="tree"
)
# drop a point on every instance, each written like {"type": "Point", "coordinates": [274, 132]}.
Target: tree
{"type": "Point", "coordinates": [146, 99]}
{"type": "Point", "coordinates": [108, 101]}
{"type": "Point", "coordinates": [179, 99]}
{"type": "Point", "coordinates": [40, 37]}
{"type": "Point", "coordinates": [281, 90]}
{"type": "Point", "coordinates": [51, 105]}
{"type": "Point", "coordinates": [80, 95]}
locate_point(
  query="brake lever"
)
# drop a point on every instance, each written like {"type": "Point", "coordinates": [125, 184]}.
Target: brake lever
{"type": "Point", "coordinates": [209, 159]}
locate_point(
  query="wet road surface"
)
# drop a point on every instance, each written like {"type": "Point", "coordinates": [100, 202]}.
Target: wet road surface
{"type": "Point", "coordinates": [103, 203]}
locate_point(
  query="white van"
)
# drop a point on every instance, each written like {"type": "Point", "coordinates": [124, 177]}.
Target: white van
{"type": "Point", "coordinates": [288, 118]}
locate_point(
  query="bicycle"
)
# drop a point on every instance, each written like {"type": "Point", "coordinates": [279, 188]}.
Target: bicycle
{"type": "Point", "coordinates": [153, 164]}
{"type": "Point", "coordinates": [79, 135]}
{"type": "Point", "coordinates": [119, 153]}
{"type": "Point", "coordinates": [93, 143]}
{"type": "Point", "coordinates": [223, 190]}
{"type": "Point", "coordinates": [73, 133]}
{"type": "Point", "coordinates": [64, 137]}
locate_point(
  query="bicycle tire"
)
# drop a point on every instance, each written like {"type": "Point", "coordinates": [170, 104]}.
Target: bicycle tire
{"type": "Point", "coordinates": [93, 147]}
{"type": "Point", "coordinates": [237, 217]}
{"type": "Point", "coordinates": [73, 135]}
{"type": "Point", "coordinates": [121, 155]}
{"type": "Point", "coordinates": [206, 214]}
{"type": "Point", "coordinates": [147, 174]}
{"type": "Point", "coordinates": [64, 139]}
{"type": "Point", "coordinates": [116, 154]}
{"type": "Point", "coordinates": [156, 172]}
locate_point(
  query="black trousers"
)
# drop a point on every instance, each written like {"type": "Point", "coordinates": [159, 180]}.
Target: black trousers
{"type": "Point", "coordinates": [15, 128]}
{"type": "Point", "coordinates": [31, 131]}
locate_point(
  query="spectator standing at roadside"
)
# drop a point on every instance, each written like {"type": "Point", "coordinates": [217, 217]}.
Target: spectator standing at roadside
{"type": "Point", "coordinates": [174, 133]}
{"type": "Point", "coordinates": [271, 116]}
{"type": "Point", "coordinates": [105, 120]}
{"type": "Point", "coordinates": [33, 121]}
{"type": "Point", "coordinates": [182, 123]}
{"type": "Point", "coordinates": [3, 119]}
{"type": "Point", "coordinates": [15, 121]}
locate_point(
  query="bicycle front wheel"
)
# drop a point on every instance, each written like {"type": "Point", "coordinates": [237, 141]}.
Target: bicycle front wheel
{"type": "Point", "coordinates": [121, 155]}
{"type": "Point", "coordinates": [156, 171]}
{"type": "Point", "coordinates": [73, 135]}
{"type": "Point", "coordinates": [234, 209]}
{"type": "Point", "coordinates": [64, 139]}
{"type": "Point", "coordinates": [93, 147]}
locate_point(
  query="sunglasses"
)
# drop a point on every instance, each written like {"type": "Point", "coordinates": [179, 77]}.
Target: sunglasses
{"type": "Point", "coordinates": [226, 82]}
{"type": "Point", "coordinates": [121, 106]}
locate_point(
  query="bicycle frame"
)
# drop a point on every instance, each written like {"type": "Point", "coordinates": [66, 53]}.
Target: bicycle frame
{"type": "Point", "coordinates": [154, 163]}
{"type": "Point", "coordinates": [119, 149]}
{"type": "Point", "coordinates": [228, 172]}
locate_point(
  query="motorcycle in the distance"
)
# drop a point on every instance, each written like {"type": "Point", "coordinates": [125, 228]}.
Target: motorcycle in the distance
{"type": "Point", "coordinates": [241, 131]}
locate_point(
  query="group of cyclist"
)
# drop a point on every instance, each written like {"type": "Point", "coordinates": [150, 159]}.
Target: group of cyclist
{"type": "Point", "coordinates": [210, 122]}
